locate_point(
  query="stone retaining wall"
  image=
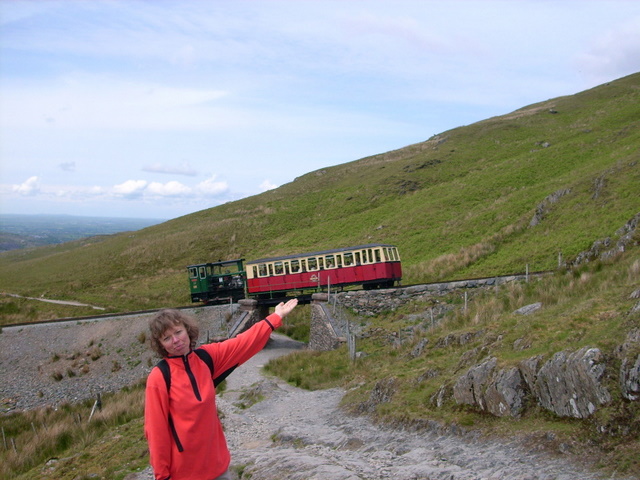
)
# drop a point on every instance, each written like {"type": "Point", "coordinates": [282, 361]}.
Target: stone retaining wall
{"type": "Point", "coordinates": [373, 302]}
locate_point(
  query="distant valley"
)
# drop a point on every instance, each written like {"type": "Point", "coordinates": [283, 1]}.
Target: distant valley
{"type": "Point", "coordinates": [27, 231]}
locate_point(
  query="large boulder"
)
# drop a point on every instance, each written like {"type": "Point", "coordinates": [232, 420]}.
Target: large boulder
{"type": "Point", "coordinates": [570, 384]}
{"type": "Point", "coordinates": [506, 394]}
{"type": "Point", "coordinates": [499, 392]}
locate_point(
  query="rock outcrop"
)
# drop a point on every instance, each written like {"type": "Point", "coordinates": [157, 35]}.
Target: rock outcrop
{"type": "Point", "coordinates": [570, 384]}
{"type": "Point", "coordinates": [500, 392]}
{"type": "Point", "coordinates": [629, 355]}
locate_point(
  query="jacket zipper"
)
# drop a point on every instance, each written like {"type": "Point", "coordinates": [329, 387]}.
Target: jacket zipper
{"type": "Point", "coordinates": [196, 392]}
{"type": "Point", "coordinates": [192, 379]}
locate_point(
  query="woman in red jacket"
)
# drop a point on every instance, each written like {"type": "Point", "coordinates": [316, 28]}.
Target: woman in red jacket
{"type": "Point", "coordinates": [185, 436]}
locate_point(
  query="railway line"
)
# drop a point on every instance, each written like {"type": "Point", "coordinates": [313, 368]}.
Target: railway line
{"type": "Point", "coordinates": [268, 302]}
{"type": "Point", "coordinates": [90, 318]}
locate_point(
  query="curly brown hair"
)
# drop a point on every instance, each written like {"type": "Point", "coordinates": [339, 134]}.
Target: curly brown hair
{"type": "Point", "coordinates": [166, 319]}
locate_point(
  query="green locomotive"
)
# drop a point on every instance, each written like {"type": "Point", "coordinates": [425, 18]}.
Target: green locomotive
{"type": "Point", "coordinates": [218, 282]}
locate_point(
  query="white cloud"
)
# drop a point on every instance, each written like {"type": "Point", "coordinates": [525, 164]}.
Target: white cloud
{"type": "Point", "coordinates": [130, 188]}
{"type": "Point", "coordinates": [267, 185]}
{"type": "Point", "coordinates": [169, 189]}
{"type": "Point", "coordinates": [68, 166]}
{"type": "Point", "coordinates": [29, 187]}
{"type": "Point", "coordinates": [211, 188]}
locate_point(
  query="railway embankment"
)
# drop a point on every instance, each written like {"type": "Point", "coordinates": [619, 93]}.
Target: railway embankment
{"type": "Point", "coordinates": [49, 364]}
{"type": "Point", "coordinates": [571, 383]}
{"type": "Point", "coordinates": [369, 303]}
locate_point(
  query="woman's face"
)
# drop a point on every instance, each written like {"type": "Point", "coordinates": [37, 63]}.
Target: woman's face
{"type": "Point", "coordinates": [176, 341]}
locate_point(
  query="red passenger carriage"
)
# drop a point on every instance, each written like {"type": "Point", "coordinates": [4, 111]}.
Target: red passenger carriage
{"type": "Point", "coordinates": [371, 266]}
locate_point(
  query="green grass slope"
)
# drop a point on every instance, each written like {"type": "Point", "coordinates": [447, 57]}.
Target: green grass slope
{"type": "Point", "coordinates": [459, 204]}
{"type": "Point", "coordinates": [409, 365]}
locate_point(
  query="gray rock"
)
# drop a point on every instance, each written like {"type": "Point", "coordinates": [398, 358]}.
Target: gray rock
{"type": "Point", "coordinates": [529, 371]}
{"type": "Point", "coordinates": [470, 387]}
{"type": "Point", "coordinates": [499, 392]}
{"type": "Point", "coordinates": [570, 384]}
{"type": "Point", "coordinates": [505, 395]}
{"type": "Point", "coordinates": [529, 309]}
{"type": "Point", "coordinates": [629, 355]}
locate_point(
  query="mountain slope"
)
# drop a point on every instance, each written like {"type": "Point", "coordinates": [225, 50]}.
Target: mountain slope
{"type": "Point", "coordinates": [479, 200]}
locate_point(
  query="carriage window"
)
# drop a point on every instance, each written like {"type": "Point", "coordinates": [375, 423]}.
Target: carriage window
{"type": "Point", "coordinates": [193, 272]}
{"type": "Point", "coordinates": [358, 260]}
{"type": "Point", "coordinates": [348, 259]}
{"type": "Point", "coordinates": [295, 266]}
{"type": "Point", "coordinates": [339, 260]}
{"type": "Point", "coordinates": [321, 263]}
{"type": "Point", "coordinates": [377, 254]}
{"type": "Point", "coordinates": [330, 261]}
{"type": "Point", "coordinates": [270, 268]}
{"type": "Point", "coordinates": [303, 266]}
{"type": "Point", "coordinates": [313, 264]}
{"type": "Point", "coordinates": [278, 268]}
{"type": "Point", "coordinates": [203, 272]}
{"type": "Point", "coordinates": [286, 268]}
{"type": "Point", "coordinates": [255, 271]}
{"type": "Point", "coordinates": [263, 269]}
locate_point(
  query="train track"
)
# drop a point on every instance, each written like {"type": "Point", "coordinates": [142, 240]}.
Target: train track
{"type": "Point", "coordinates": [89, 318]}
{"type": "Point", "coordinates": [267, 302]}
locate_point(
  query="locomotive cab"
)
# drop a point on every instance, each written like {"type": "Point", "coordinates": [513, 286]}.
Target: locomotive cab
{"type": "Point", "coordinates": [217, 282]}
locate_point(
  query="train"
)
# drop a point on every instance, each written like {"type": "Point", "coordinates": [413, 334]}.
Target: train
{"type": "Point", "coordinates": [370, 266]}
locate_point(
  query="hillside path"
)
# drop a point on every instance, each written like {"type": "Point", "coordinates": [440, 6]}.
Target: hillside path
{"type": "Point", "coordinates": [296, 434]}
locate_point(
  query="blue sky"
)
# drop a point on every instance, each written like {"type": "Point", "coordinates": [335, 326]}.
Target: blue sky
{"type": "Point", "coordinates": [157, 109]}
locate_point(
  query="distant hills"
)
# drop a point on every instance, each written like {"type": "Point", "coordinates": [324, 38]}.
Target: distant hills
{"type": "Point", "coordinates": [27, 231]}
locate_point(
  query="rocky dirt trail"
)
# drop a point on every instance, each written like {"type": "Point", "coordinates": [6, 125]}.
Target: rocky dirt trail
{"type": "Point", "coordinates": [295, 434]}
{"type": "Point", "coordinates": [291, 434]}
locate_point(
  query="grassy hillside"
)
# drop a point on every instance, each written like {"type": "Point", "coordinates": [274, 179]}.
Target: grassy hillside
{"type": "Point", "coordinates": [590, 306]}
{"type": "Point", "coordinates": [595, 306]}
{"type": "Point", "coordinates": [459, 204]}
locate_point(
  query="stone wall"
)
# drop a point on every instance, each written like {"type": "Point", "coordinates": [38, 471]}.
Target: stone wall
{"type": "Point", "coordinates": [325, 332]}
{"type": "Point", "coordinates": [248, 314]}
{"type": "Point", "coordinates": [373, 302]}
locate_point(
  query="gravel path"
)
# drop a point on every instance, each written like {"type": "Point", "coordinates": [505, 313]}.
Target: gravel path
{"type": "Point", "coordinates": [291, 434]}
{"type": "Point", "coordinates": [301, 435]}
{"type": "Point", "coordinates": [295, 434]}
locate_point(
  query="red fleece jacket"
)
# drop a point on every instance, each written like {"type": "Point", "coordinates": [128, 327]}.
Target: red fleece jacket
{"type": "Point", "coordinates": [191, 405]}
